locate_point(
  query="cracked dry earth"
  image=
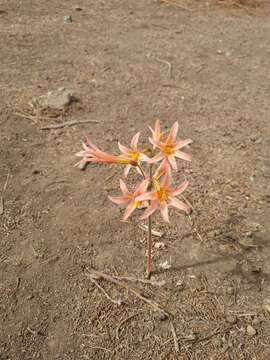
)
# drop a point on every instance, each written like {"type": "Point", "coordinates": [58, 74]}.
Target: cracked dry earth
{"type": "Point", "coordinates": [129, 62]}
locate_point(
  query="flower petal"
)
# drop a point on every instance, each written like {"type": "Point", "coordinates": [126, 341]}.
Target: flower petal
{"type": "Point", "coordinates": [150, 210]}
{"type": "Point", "coordinates": [181, 188]}
{"type": "Point", "coordinates": [134, 141]}
{"type": "Point", "coordinates": [89, 143]}
{"type": "Point", "coordinates": [154, 142]}
{"type": "Point", "coordinates": [157, 126]}
{"type": "Point", "coordinates": [164, 211]}
{"type": "Point", "coordinates": [172, 162]}
{"type": "Point", "coordinates": [129, 210]}
{"type": "Point", "coordinates": [124, 149]}
{"type": "Point", "coordinates": [119, 199]}
{"type": "Point", "coordinates": [127, 170]}
{"type": "Point", "coordinates": [146, 196]}
{"type": "Point", "coordinates": [179, 204]}
{"type": "Point", "coordinates": [124, 188]}
{"type": "Point", "coordinates": [143, 157]}
{"type": "Point", "coordinates": [156, 158]}
{"type": "Point", "coordinates": [141, 188]}
{"type": "Point", "coordinates": [173, 133]}
{"type": "Point", "coordinates": [165, 183]}
{"type": "Point", "coordinates": [182, 155]}
{"type": "Point", "coordinates": [182, 143]}
{"type": "Point", "coordinates": [163, 168]}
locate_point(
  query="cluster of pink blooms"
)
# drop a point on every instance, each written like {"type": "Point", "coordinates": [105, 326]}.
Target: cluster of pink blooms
{"type": "Point", "coordinates": [154, 192]}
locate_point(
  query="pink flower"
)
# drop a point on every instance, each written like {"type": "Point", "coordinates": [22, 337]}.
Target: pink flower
{"type": "Point", "coordinates": [170, 148]}
{"type": "Point", "coordinates": [91, 153]}
{"type": "Point", "coordinates": [162, 197]}
{"type": "Point", "coordinates": [156, 133]}
{"type": "Point", "coordinates": [129, 198]}
{"type": "Point", "coordinates": [132, 154]}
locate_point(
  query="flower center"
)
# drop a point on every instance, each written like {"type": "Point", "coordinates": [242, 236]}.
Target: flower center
{"type": "Point", "coordinates": [168, 149]}
{"type": "Point", "coordinates": [162, 194]}
{"type": "Point", "coordinates": [137, 203]}
{"type": "Point", "coordinates": [135, 156]}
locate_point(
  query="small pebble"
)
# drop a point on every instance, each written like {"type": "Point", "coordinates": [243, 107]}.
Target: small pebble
{"type": "Point", "coordinates": [68, 19]}
{"type": "Point", "coordinates": [231, 319]}
{"type": "Point", "coordinates": [251, 331]}
{"type": "Point", "coordinates": [159, 245]}
{"type": "Point", "coordinates": [266, 307]}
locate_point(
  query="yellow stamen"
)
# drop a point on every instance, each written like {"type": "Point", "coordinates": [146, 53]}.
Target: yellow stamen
{"type": "Point", "coordinates": [162, 194]}
{"type": "Point", "coordinates": [137, 203]}
{"type": "Point", "coordinates": [127, 162]}
{"type": "Point", "coordinates": [168, 149]}
{"type": "Point", "coordinates": [135, 156]}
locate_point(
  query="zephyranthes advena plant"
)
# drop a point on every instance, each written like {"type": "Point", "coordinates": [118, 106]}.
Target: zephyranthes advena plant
{"type": "Point", "coordinates": [155, 166]}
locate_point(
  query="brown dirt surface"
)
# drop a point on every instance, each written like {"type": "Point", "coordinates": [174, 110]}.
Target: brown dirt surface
{"type": "Point", "coordinates": [129, 62]}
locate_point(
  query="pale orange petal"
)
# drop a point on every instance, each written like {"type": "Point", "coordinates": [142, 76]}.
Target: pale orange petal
{"type": "Point", "coordinates": [179, 204]}
{"type": "Point", "coordinates": [173, 133]}
{"type": "Point", "coordinates": [155, 142]}
{"type": "Point", "coordinates": [134, 141]}
{"type": "Point", "coordinates": [181, 188]}
{"type": "Point", "coordinates": [156, 158]}
{"type": "Point", "coordinates": [127, 170]}
{"type": "Point", "coordinates": [124, 188]}
{"type": "Point", "coordinates": [129, 210]}
{"type": "Point", "coordinates": [92, 145]}
{"type": "Point", "coordinates": [172, 162]}
{"type": "Point", "coordinates": [142, 187]}
{"type": "Point", "coordinates": [164, 210]}
{"type": "Point", "coordinates": [165, 183]}
{"type": "Point", "coordinates": [124, 149]}
{"type": "Point", "coordinates": [150, 210]}
{"type": "Point", "coordinates": [182, 143]}
{"type": "Point", "coordinates": [163, 168]}
{"type": "Point", "coordinates": [146, 196]}
{"type": "Point", "coordinates": [182, 155]}
{"type": "Point", "coordinates": [157, 127]}
{"type": "Point", "coordinates": [119, 199]}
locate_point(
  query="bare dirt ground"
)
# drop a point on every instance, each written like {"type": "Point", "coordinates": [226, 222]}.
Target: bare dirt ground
{"type": "Point", "coordinates": [129, 62]}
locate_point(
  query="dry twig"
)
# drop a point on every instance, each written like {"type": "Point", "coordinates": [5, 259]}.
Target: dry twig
{"type": "Point", "coordinates": [144, 281]}
{"type": "Point", "coordinates": [2, 205]}
{"type": "Point", "coordinates": [154, 232]}
{"type": "Point", "coordinates": [176, 345]}
{"type": "Point", "coordinates": [117, 302]}
{"type": "Point", "coordinates": [153, 304]}
{"type": "Point", "coordinates": [100, 348]}
{"type": "Point", "coordinates": [32, 117]}
{"type": "Point", "coordinates": [124, 321]}
{"type": "Point", "coordinates": [175, 3]}
{"type": "Point", "coordinates": [68, 123]}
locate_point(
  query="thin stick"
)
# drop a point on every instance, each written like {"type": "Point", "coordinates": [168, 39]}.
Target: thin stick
{"type": "Point", "coordinates": [171, 2]}
{"type": "Point", "coordinates": [2, 208]}
{"type": "Point", "coordinates": [144, 281]}
{"type": "Point", "coordinates": [149, 238]}
{"type": "Point", "coordinates": [6, 183]}
{"type": "Point", "coordinates": [33, 117]}
{"type": "Point", "coordinates": [153, 304]}
{"type": "Point", "coordinates": [176, 345]}
{"type": "Point", "coordinates": [100, 348]}
{"type": "Point", "coordinates": [124, 321]}
{"type": "Point", "coordinates": [68, 123]}
{"type": "Point", "coordinates": [117, 302]}
{"type": "Point", "coordinates": [154, 232]}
